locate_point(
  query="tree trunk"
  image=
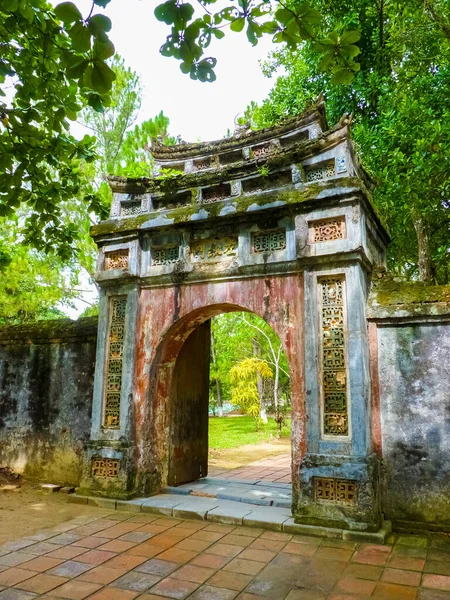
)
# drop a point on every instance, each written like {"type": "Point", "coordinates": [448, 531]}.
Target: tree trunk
{"type": "Point", "coordinates": [423, 243]}
{"type": "Point", "coordinates": [278, 415]}
{"type": "Point", "coordinates": [218, 386]}
{"type": "Point", "coordinates": [260, 386]}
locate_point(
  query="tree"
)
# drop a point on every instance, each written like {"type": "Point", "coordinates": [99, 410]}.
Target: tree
{"type": "Point", "coordinates": [242, 336]}
{"type": "Point", "coordinates": [401, 107]}
{"type": "Point", "coordinates": [50, 60]}
{"type": "Point", "coordinates": [111, 124]}
{"type": "Point", "coordinates": [244, 378]}
{"type": "Point", "coordinates": [32, 284]}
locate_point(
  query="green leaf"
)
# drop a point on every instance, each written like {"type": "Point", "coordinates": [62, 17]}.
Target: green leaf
{"type": "Point", "coordinates": [341, 77]}
{"type": "Point", "coordinates": [67, 12]}
{"type": "Point", "coordinates": [95, 102]}
{"type": "Point", "coordinates": [237, 24]}
{"type": "Point", "coordinates": [283, 15]}
{"type": "Point", "coordinates": [99, 25]}
{"type": "Point", "coordinates": [103, 50]}
{"type": "Point", "coordinates": [102, 77]}
{"type": "Point", "coordinates": [166, 12]}
{"type": "Point", "coordinates": [350, 51]}
{"type": "Point", "coordinates": [101, 3]}
{"type": "Point", "coordinates": [350, 37]}
{"type": "Point", "coordinates": [81, 37]}
{"type": "Point", "coordinates": [10, 5]}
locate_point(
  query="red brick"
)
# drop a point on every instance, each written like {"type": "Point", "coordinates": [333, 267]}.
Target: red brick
{"type": "Point", "coordinates": [437, 582]}
{"type": "Point", "coordinates": [351, 585]}
{"type": "Point", "coordinates": [212, 561]}
{"type": "Point", "coordinates": [41, 563]}
{"type": "Point", "coordinates": [264, 556]}
{"type": "Point", "coordinates": [15, 575]}
{"type": "Point", "coordinates": [334, 553]}
{"type": "Point", "coordinates": [66, 553]}
{"type": "Point", "coordinates": [125, 561]}
{"type": "Point", "coordinates": [177, 555]}
{"type": "Point", "coordinates": [42, 583]}
{"type": "Point", "coordinates": [76, 590]}
{"type": "Point", "coordinates": [96, 557]}
{"type": "Point", "coordinates": [407, 563]}
{"type": "Point", "coordinates": [401, 577]}
{"type": "Point", "coordinates": [231, 581]}
{"type": "Point", "coordinates": [193, 573]}
{"type": "Point", "coordinates": [300, 549]}
{"type": "Point", "coordinates": [173, 588]}
{"type": "Point", "coordinates": [147, 549]}
{"type": "Point", "coordinates": [117, 546]}
{"type": "Point", "coordinates": [225, 550]}
{"type": "Point", "coordinates": [391, 591]}
{"type": "Point", "coordinates": [245, 567]}
{"type": "Point", "coordinates": [102, 575]}
{"type": "Point", "coordinates": [111, 593]}
{"type": "Point", "coordinates": [190, 544]}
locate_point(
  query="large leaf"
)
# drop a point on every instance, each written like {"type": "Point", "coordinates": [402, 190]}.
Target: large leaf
{"type": "Point", "coordinates": [103, 50]}
{"type": "Point", "coordinates": [67, 12]}
{"type": "Point", "coordinates": [102, 77]}
{"type": "Point", "coordinates": [81, 37]}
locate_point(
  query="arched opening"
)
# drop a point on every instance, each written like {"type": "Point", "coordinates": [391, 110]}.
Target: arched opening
{"type": "Point", "coordinates": [233, 364]}
{"type": "Point", "coordinates": [167, 317]}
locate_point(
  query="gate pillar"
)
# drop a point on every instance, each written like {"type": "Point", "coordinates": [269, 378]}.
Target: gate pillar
{"type": "Point", "coordinates": [109, 468]}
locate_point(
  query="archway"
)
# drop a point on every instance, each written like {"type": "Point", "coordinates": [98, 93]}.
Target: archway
{"type": "Point", "coordinates": [276, 300]}
{"type": "Point", "coordinates": [254, 367]}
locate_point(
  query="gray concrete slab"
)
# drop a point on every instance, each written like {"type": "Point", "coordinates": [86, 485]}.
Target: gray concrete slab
{"type": "Point", "coordinates": [194, 507]}
{"type": "Point", "coordinates": [267, 518]}
{"type": "Point", "coordinates": [162, 504]}
{"type": "Point", "coordinates": [229, 513]}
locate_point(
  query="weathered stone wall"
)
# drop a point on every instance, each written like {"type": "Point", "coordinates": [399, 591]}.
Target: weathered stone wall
{"type": "Point", "coordinates": [413, 331]}
{"type": "Point", "coordinates": [46, 383]}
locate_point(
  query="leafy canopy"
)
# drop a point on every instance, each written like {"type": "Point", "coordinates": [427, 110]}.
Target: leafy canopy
{"type": "Point", "coordinates": [51, 61]}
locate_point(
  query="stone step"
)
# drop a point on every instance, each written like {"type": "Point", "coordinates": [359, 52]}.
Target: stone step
{"type": "Point", "coordinates": [236, 490]}
{"type": "Point", "coordinates": [273, 518]}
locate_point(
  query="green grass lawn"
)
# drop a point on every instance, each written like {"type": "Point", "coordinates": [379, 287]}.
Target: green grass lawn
{"type": "Point", "coordinates": [232, 432]}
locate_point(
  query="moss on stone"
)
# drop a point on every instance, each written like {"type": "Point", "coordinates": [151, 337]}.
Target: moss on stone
{"type": "Point", "coordinates": [389, 290]}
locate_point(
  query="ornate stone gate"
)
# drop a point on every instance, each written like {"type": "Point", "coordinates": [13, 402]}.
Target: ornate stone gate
{"type": "Point", "coordinates": [278, 222]}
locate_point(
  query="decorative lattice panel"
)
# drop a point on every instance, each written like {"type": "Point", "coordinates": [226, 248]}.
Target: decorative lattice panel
{"type": "Point", "coordinates": [216, 193]}
{"type": "Point", "coordinates": [116, 260]}
{"type": "Point", "coordinates": [130, 208]}
{"type": "Point", "coordinates": [321, 172]}
{"type": "Point", "coordinates": [334, 368]}
{"type": "Point", "coordinates": [165, 256]}
{"type": "Point", "coordinates": [327, 230]}
{"type": "Point", "coordinates": [327, 489]}
{"type": "Point", "coordinates": [269, 241]}
{"type": "Point", "coordinates": [262, 150]}
{"type": "Point", "coordinates": [201, 165]}
{"type": "Point", "coordinates": [115, 361]}
{"type": "Point", "coordinates": [214, 248]}
{"type": "Point", "coordinates": [105, 467]}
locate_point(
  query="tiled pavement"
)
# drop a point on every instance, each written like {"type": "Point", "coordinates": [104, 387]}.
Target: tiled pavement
{"type": "Point", "coordinates": [123, 556]}
{"type": "Point", "coordinates": [275, 469]}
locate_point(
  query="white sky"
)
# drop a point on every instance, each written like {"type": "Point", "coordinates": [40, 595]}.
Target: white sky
{"type": "Point", "coordinates": [197, 111]}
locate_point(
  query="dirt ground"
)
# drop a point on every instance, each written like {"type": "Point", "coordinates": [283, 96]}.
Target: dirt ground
{"type": "Point", "coordinates": [233, 458]}
{"type": "Point", "coordinates": [25, 509]}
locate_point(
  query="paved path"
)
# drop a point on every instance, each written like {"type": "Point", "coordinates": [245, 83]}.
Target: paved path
{"type": "Point", "coordinates": [122, 557]}
{"type": "Point", "coordinates": [275, 469]}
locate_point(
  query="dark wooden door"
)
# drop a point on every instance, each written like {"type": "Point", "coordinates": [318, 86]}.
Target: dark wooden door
{"type": "Point", "coordinates": [188, 458]}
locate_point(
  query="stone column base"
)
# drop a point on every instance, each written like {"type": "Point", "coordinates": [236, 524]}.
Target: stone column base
{"type": "Point", "coordinates": [108, 470]}
{"type": "Point", "coordinates": [340, 492]}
